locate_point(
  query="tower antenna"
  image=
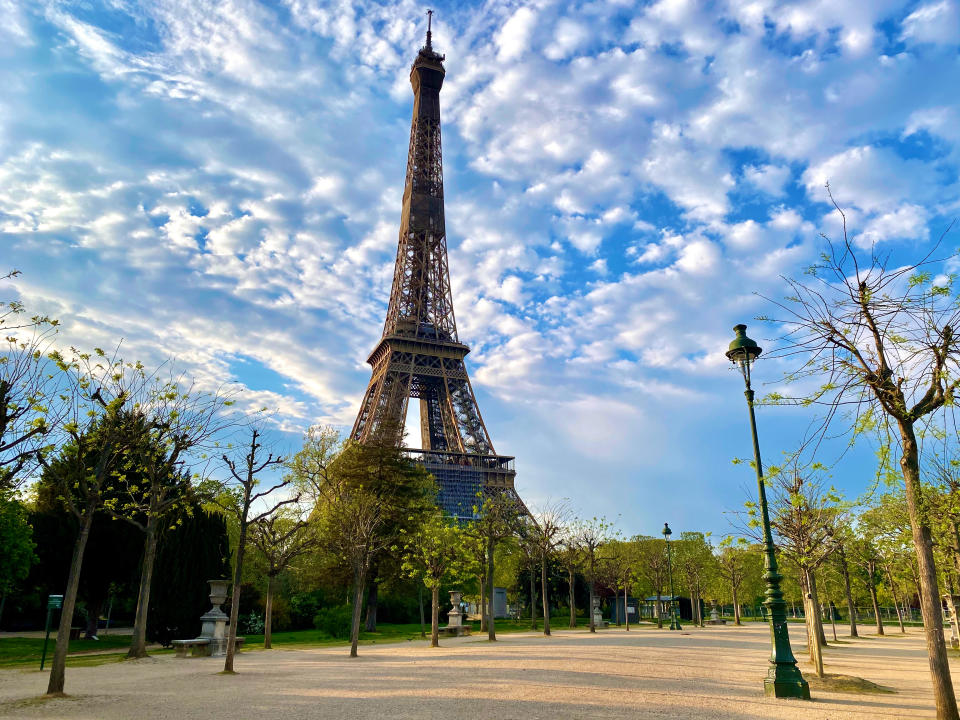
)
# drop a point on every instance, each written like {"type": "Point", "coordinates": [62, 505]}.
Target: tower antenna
{"type": "Point", "coordinates": [429, 33]}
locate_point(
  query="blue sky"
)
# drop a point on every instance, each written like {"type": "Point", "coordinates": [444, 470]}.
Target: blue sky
{"type": "Point", "coordinates": [220, 182]}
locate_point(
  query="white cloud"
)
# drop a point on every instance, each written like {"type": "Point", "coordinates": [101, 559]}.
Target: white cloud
{"type": "Point", "coordinates": [771, 179]}
{"type": "Point", "coordinates": [513, 40]}
{"type": "Point", "coordinates": [870, 178]}
{"type": "Point", "coordinates": [936, 22]}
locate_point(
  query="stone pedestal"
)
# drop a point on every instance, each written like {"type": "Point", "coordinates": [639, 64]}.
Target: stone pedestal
{"type": "Point", "coordinates": [455, 615]}
{"type": "Point", "coordinates": [597, 614]}
{"type": "Point", "coordinates": [715, 615]}
{"type": "Point", "coordinates": [455, 626]}
{"type": "Point", "coordinates": [215, 620]}
{"type": "Point", "coordinates": [953, 602]}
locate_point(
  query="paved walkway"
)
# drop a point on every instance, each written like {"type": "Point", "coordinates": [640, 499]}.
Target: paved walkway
{"type": "Point", "coordinates": [714, 673]}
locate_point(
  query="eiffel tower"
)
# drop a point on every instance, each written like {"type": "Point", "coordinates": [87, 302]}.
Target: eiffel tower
{"type": "Point", "coordinates": [420, 355]}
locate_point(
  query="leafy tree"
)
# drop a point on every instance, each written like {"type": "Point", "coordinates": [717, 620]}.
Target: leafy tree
{"type": "Point", "coordinates": [617, 568]}
{"type": "Point", "coordinates": [696, 564]}
{"type": "Point", "coordinates": [171, 420]}
{"type": "Point", "coordinates": [732, 562]}
{"type": "Point", "coordinates": [281, 538]}
{"type": "Point", "coordinates": [652, 566]}
{"type": "Point", "coordinates": [882, 341]}
{"type": "Point", "coordinates": [591, 535]}
{"type": "Point", "coordinates": [364, 495]}
{"type": "Point", "coordinates": [95, 439]}
{"type": "Point", "coordinates": [498, 517]}
{"type": "Point", "coordinates": [436, 552]}
{"type": "Point", "coordinates": [863, 550]}
{"type": "Point", "coordinates": [17, 543]}
{"type": "Point", "coordinates": [30, 386]}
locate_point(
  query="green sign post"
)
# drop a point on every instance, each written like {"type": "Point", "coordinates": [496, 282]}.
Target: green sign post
{"type": "Point", "coordinates": [54, 602]}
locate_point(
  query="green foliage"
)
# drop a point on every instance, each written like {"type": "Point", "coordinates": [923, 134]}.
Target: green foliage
{"type": "Point", "coordinates": [334, 621]}
{"type": "Point", "coordinates": [436, 551]}
{"type": "Point", "coordinates": [16, 544]}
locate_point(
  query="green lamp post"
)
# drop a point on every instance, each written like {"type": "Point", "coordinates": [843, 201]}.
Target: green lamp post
{"type": "Point", "coordinates": [674, 618]}
{"type": "Point", "coordinates": [783, 678]}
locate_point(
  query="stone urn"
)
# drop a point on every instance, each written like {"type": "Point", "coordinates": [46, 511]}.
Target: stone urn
{"type": "Point", "coordinates": [218, 592]}
{"type": "Point", "coordinates": [455, 615]}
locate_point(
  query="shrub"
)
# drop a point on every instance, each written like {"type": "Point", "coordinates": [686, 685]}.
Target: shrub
{"type": "Point", "coordinates": [303, 609]}
{"type": "Point", "coordinates": [251, 624]}
{"type": "Point", "coordinates": [334, 621]}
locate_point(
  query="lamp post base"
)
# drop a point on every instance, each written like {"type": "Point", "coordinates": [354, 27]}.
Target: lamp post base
{"type": "Point", "coordinates": [785, 681]}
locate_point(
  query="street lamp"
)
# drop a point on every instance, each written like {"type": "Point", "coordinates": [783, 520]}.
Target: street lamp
{"type": "Point", "coordinates": [783, 678]}
{"type": "Point", "coordinates": [674, 620]}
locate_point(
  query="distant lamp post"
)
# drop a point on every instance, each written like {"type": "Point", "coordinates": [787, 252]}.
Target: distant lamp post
{"type": "Point", "coordinates": [674, 618]}
{"type": "Point", "coordinates": [783, 678]}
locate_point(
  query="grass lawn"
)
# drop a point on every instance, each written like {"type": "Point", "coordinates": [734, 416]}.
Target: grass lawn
{"type": "Point", "coordinates": [389, 633]}
{"type": "Point", "coordinates": [24, 653]}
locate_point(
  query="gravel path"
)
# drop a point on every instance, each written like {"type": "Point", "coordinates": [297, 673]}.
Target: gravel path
{"type": "Point", "coordinates": [646, 673]}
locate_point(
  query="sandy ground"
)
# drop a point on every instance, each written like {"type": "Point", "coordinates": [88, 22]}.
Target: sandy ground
{"type": "Point", "coordinates": [646, 673]}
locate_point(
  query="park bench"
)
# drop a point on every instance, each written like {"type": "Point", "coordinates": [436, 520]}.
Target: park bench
{"type": "Point", "coordinates": [199, 647]}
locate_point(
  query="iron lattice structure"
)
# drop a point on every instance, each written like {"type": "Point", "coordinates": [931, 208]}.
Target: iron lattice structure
{"type": "Point", "coordinates": [420, 355]}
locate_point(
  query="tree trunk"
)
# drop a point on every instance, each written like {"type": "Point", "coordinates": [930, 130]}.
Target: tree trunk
{"type": "Point", "coordinates": [872, 585]}
{"type": "Point", "coordinates": [435, 616]}
{"type": "Point", "coordinates": [138, 644]}
{"type": "Point", "coordinates": [533, 599]}
{"type": "Point", "coordinates": [59, 663]}
{"type": "Point", "coordinates": [546, 597]}
{"type": "Point", "coordinates": [483, 602]}
{"type": "Point", "coordinates": [235, 595]}
{"type": "Point", "coordinates": [943, 694]}
{"type": "Point", "coordinates": [93, 617]}
{"type": "Point", "coordinates": [593, 590]}
{"type": "Point", "coordinates": [851, 608]}
{"type": "Point", "coordinates": [658, 606]}
{"type": "Point", "coordinates": [815, 606]}
{"type": "Point", "coordinates": [571, 580]}
{"type": "Point", "coordinates": [491, 622]}
{"type": "Point", "coordinates": [372, 596]}
{"type": "Point", "coordinates": [268, 615]}
{"type": "Point", "coordinates": [896, 600]}
{"type": "Point", "coordinates": [813, 637]}
{"type": "Point", "coordinates": [420, 602]}
{"type": "Point", "coordinates": [626, 611]}
{"type": "Point", "coordinates": [359, 580]}
{"type": "Point", "coordinates": [736, 607]}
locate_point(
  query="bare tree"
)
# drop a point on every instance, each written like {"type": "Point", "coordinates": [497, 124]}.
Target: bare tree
{"type": "Point", "coordinates": [571, 555]}
{"type": "Point", "coordinates": [549, 524]}
{"type": "Point", "coordinates": [804, 512]}
{"type": "Point", "coordinates": [241, 496]}
{"type": "Point", "coordinates": [881, 341]}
